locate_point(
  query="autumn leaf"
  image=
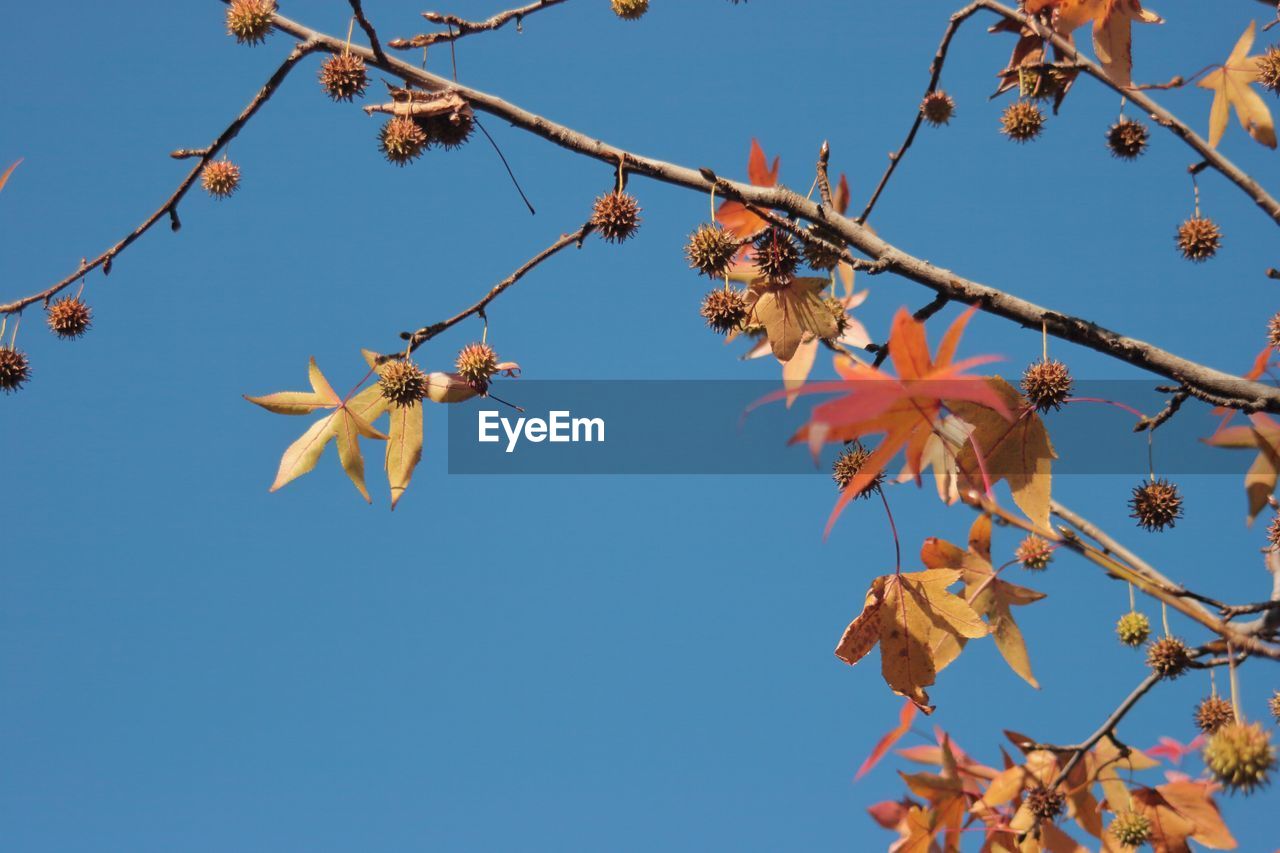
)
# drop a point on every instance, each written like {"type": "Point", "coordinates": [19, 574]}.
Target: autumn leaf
{"type": "Point", "coordinates": [1016, 450]}
{"type": "Point", "coordinates": [907, 409]}
{"type": "Point", "coordinates": [990, 596]}
{"type": "Point", "coordinates": [1112, 21]}
{"type": "Point", "coordinates": [351, 419]}
{"type": "Point", "coordinates": [1179, 811]}
{"type": "Point", "coordinates": [905, 717]}
{"type": "Point", "coordinates": [1262, 435]}
{"type": "Point", "coordinates": [4, 178]}
{"type": "Point", "coordinates": [733, 215]}
{"type": "Point", "coordinates": [1230, 86]}
{"type": "Point", "coordinates": [904, 613]}
{"type": "Point", "coordinates": [789, 312]}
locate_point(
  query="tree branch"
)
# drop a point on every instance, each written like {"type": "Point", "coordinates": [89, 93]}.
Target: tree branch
{"type": "Point", "coordinates": [426, 333]}
{"type": "Point", "coordinates": [1242, 394]}
{"type": "Point", "coordinates": [170, 207]}
{"type": "Point", "coordinates": [1210, 155]}
{"type": "Point", "coordinates": [935, 74]}
{"type": "Point", "coordinates": [460, 27]}
{"type": "Point", "coordinates": [357, 7]}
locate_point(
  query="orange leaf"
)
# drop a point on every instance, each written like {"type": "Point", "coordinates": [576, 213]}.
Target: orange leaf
{"type": "Point", "coordinates": [905, 716]}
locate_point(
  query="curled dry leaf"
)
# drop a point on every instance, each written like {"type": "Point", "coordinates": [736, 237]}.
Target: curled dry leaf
{"type": "Point", "coordinates": [908, 614]}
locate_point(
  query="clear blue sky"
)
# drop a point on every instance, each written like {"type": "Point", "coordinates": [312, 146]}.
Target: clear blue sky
{"type": "Point", "coordinates": [560, 663]}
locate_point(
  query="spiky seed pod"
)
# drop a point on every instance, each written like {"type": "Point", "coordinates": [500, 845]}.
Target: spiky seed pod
{"type": "Point", "coordinates": [1241, 756]}
{"type": "Point", "coordinates": [776, 256]}
{"type": "Point", "coordinates": [69, 317]}
{"type": "Point", "coordinates": [711, 249]}
{"type": "Point", "coordinates": [476, 364]}
{"type": "Point", "coordinates": [1045, 803]}
{"type": "Point", "coordinates": [15, 369]}
{"type": "Point", "coordinates": [1038, 84]}
{"type": "Point", "coordinates": [1274, 705]}
{"type": "Point", "coordinates": [1168, 657]}
{"type": "Point", "coordinates": [1133, 628]}
{"type": "Point", "coordinates": [402, 382]}
{"type": "Point", "coordinates": [1268, 69]}
{"type": "Point", "coordinates": [1273, 331]}
{"type": "Point", "coordinates": [1034, 553]}
{"type": "Point", "coordinates": [1022, 121]}
{"type": "Point", "coordinates": [250, 20]}
{"type": "Point", "coordinates": [839, 314]}
{"type": "Point", "coordinates": [1213, 713]}
{"type": "Point", "coordinates": [938, 108]}
{"type": "Point", "coordinates": [1047, 384]}
{"type": "Point", "coordinates": [402, 140]}
{"type": "Point", "coordinates": [1127, 138]}
{"type": "Point", "coordinates": [1132, 829]}
{"type": "Point", "coordinates": [847, 466]}
{"type": "Point", "coordinates": [220, 178]}
{"type": "Point", "coordinates": [630, 10]}
{"type": "Point", "coordinates": [451, 130]}
{"type": "Point", "coordinates": [1199, 239]}
{"type": "Point", "coordinates": [724, 310]}
{"type": "Point", "coordinates": [344, 76]}
{"type": "Point", "coordinates": [1273, 532]}
{"type": "Point", "coordinates": [616, 216]}
{"type": "Point", "coordinates": [822, 252]}
{"type": "Point", "coordinates": [1156, 504]}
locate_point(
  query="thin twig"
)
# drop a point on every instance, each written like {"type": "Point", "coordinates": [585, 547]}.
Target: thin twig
{"type": "Point", "coordinates": [358, 8]}
{"type": "Point", "coordinates": [935, 74]}
{"type": "Point", "coordinates": [460, 27]}
{"type": "Point", "coordinates": [426, 333]}
{"type": "Point", "coordinates": [170, 206]}
{"type": "Point", "coordinates": [1140, 99]}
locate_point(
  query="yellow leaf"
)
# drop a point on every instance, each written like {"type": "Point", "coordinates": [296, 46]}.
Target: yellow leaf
{"type": "Point", "coordinates": [1230, 84]}
{"type": "Point", "coordinates": [863, 632]}
{"type": "Point", "coordinates": [404, 449]}
{"type": "Point", "coordinates": [292, 402]}
{"type": "Point", "coordinates": [1017, 451]}
{"type": "Point", "coordinates": [301, 456]}
{"type": "Point", "coordinates": [320, 385]}
{"type": "Point", "coordinates": [347, 431]}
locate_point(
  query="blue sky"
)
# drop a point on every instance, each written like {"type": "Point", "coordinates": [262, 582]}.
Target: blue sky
{"type": "Point", "coordinates": [191, 663]}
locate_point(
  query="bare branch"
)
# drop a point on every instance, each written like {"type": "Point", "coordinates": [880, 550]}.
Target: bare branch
{"type": "Point", "coordinates": [460, 27]}
{"type": "Point", "coordinates": [426, 333]}
{"type": "Point", "coordinates": [1210, 155]}
{"type": "Point", "coordinates": [935, 74]}
{"type": "Point", "coordinates": [357, 7]}
{"type": "Point", "coordinates": [170, 207]}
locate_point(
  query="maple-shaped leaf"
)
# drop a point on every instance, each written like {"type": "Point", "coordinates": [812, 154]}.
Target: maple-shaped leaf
{"type": "Point", "coordinates": [1175, 750]}
{"type": "Point", "coordinates": [1179, 811]}
{"type": "Point", "coordinates": [1016, 450]}
{"type": "Point", "coordinates": [947, 796]}
{"type": "Point", "coordinates": [904, 612]}
{"type": "Point", "coordinates": [1263, 435]}
{"type": "Point", "coordinates": [1112, 21]}
{"type": "Point", "coordinates": [1231, 88]}
{"type": "Point", "coordinates": [351, 418]}
{"type": "Point", "coordinates": [991, 597]}
{"type": "Point", "coordinates": [907, 409]}
{"type": "Point", "coordinates": [733, 215]}
{"type": "Point", "coordinates": [789, 312]}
